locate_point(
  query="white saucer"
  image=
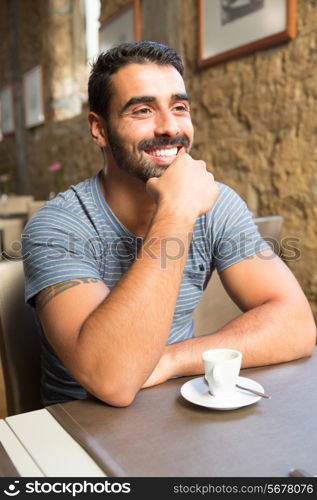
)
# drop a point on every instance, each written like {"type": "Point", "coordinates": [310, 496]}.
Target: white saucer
{"type": "Point", "coordinates": [196, 391]}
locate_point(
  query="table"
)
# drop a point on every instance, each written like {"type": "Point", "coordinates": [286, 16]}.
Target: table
{"type": "Point", "coordinates": [161, 434]}
{"type": "Point", "coordinates": [39, 447]}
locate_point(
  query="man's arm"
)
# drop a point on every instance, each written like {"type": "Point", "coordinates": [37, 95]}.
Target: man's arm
{"type": "Point", "coordinates": [277, 324]}
{"type": "Point", "coordinates": [111, 341]}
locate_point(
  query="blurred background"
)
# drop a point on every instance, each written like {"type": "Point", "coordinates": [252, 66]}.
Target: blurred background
{"type": "Point", "coordinates": [253, 93]}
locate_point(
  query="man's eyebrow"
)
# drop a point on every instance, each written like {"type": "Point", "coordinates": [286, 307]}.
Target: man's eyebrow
{"type": "Point", "coordinates": [180, 97]}
{"type": "Point", "coordinates": [138, 100]}
{"type": "Point", "coordinates": [150, 98]}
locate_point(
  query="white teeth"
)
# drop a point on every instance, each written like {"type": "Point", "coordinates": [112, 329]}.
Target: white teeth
{"type": "Point", "coordinates": [164, 152]}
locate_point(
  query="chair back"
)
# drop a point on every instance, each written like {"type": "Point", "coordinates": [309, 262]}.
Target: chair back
{"type": "Point", "coordinates": [19, 342]}
{"type": "Point", "coordinates": [15, 205]}
{"type": "Point", "coordinates": [10, 237]}
{"type": "Point", "coordinates": [216, 308]}
{"type": "Point", "coordinates": [270, 228]}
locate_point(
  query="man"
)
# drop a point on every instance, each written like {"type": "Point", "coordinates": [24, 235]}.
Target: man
{"type": "Point", "coordinates": [115, 266]}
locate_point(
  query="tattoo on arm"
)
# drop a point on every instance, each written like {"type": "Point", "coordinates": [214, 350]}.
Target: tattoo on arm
{"type": "Point", "coordinates": [50, 292]}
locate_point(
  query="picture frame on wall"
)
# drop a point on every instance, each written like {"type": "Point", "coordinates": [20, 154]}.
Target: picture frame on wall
{"type": "Point", "coordinates": [123, 26]}
{"type": "Point", "coordinates": [228, 29]}
{"type": "Point", "coordinates": [33, 97]}
{"type": "Point", "coordinates": [7, 110]}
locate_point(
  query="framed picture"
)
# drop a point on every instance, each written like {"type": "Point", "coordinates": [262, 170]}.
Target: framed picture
{"type": "Point", "coordinates": [33, 97]}
{"type": "Point", "coordinates": [232, 28]}
{"type": "Point", "coordinates": [123, 26]}
{"type": "Point", "coordinates": [7, 110]}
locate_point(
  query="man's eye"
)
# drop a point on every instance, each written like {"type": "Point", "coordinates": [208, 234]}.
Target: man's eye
{"type": "Point", "coordinates": [141, 111]}
{"type": "Point", "coordinates": [181, 108]}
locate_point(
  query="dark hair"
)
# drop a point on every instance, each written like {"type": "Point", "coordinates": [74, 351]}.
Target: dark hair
{"type": "Point", "coordinates": [107, 63]}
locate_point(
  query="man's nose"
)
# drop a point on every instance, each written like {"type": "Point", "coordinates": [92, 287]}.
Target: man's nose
{"type": "Point", "coordinates": [166, 124]}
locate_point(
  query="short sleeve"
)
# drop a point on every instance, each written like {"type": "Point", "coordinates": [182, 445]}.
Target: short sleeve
{"type": "Point", "coordinates": [57, 247]}
{"type": "Point", "coordinates": [233, 232]}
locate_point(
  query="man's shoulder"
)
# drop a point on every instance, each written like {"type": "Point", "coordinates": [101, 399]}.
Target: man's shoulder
{"type": "Point", "coordinates": [225, 190]}
{"type": "Point", "coordinates": [74, 203]}
{"type": "Point", "coordinates": [75, 196]}
{"type": "Point", "coordinates": [228, 198]}
{"type": "Point", "coordinates": [229, 210]}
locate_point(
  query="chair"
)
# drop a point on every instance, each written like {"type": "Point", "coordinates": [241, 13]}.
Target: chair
{"type": "Point", "coordinates": [10, 237]}
{"type": "Point", "coordinates": [19, 342]}
{"type": "Point", "coordinates": [15, 205]}
{"type": "Point", "coordinates": [216, 308]}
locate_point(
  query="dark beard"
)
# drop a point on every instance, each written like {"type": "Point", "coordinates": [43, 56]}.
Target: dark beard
{"type": "Point", "coordinates": [141, 168]}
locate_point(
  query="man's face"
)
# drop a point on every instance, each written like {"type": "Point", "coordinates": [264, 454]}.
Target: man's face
{"type": "Point", "coordinates": [149, 120]}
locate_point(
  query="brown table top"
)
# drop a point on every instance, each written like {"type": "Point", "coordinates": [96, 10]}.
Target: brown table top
{"type": "Point", "coordinates": [162, 434]}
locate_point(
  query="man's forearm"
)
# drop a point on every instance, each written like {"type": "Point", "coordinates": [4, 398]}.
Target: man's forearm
{"type": "Point", "coordinates": [131, 326]}
{"type": "Point", "coordinates": [273, 332]}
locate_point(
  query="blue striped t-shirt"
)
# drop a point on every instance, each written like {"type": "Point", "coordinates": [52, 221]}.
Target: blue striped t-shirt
{"type": "Point", "coordinates": [76, 235]}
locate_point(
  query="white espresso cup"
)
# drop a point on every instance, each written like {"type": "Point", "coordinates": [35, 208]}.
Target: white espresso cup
{"type": "Point", "coordinates": [222, 367]}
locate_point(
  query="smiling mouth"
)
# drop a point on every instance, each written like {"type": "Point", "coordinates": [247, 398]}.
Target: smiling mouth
{"type": "Point", "coordinates": [163, 155]}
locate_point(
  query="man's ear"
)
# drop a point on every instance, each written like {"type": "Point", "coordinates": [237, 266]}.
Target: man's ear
{"type": "Point", "coordinates": [97, 129]}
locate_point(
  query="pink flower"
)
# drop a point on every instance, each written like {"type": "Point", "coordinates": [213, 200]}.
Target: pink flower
{"type": "Point", "coordinates": [58, 175]}
{"type": "Point", "coordinates": [54, 167]}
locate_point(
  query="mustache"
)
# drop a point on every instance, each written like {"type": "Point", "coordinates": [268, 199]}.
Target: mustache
{"type": "Point", "coordinates": [156, 142]}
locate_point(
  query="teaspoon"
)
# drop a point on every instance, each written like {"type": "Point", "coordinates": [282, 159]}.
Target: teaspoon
{"type": "Point", "coordinates": [258, 393]}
